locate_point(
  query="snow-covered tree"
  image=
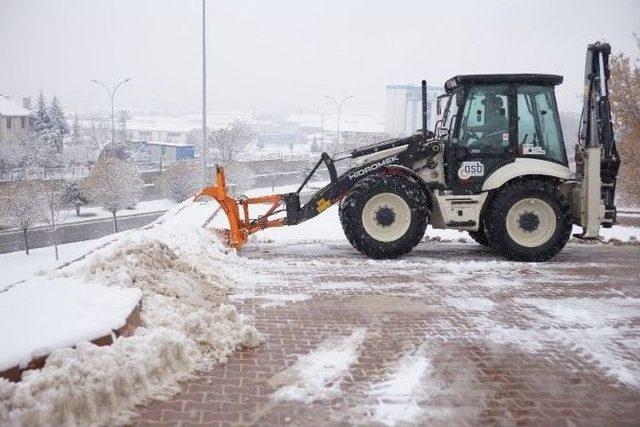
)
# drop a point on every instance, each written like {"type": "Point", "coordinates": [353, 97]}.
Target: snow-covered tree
{"type": "Point", "coordinates": [53, 199]}
{"type": "Point", "coordinates": [10, 155]}
{"type": "Point", "coordinates": [114, 185]}
{"type": "Point", "coordinates": [58, 126]}
{"type": "Point", "coordinates": [23, 207]}
{"type": "Point", "coordinates": [180, 180]}
{"type": "Point", "coordinates": [98, 135]}
{"type": "Point", "coordinates": [73, 196]}
{"type": "Point", "coordinates": [226, 144]}
{"type": "Point", "coordinates": [41, 119]}
{"type": "Point", "coordinates": [30, 149]}
{"type": "Point", "coordinates": [121, 132]}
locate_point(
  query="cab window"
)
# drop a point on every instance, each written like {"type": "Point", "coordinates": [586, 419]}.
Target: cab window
{"type": "Point", "coordinates": [485, 119]}
{"type": "Point", "coordinates": [539, 132]}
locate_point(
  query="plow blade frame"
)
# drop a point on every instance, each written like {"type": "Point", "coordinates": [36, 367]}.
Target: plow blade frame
{"type": "Point", "coordinates": [240, 227]}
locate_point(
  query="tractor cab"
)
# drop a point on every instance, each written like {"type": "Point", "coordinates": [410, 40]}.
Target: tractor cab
{"type": "Point", "coordinates": [489, 121]}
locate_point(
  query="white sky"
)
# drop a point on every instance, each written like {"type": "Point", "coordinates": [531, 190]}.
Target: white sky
{"type": "Point", "coordinates": [285, 54]}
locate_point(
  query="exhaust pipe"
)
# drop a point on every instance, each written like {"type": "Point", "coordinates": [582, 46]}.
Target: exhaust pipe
{"type": "Point", "coordinates": [424, 109]}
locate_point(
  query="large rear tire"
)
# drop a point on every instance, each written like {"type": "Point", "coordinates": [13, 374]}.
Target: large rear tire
{"type": "Point", "coordinates": [384, 216]}
{"type": "Point", "coordinates": [529, 221]}
{"type": "Point", "coordinates": [480, 236]}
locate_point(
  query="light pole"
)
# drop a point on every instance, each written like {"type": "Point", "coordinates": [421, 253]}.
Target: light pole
{"type": "Point", "coordinates": [203, 156]}
{"type": "Point", "coordinates": [339, 105]}
{"type": "Point", "coordinates": [112, 94]}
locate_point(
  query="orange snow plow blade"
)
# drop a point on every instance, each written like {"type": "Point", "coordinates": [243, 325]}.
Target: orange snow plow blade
{"type": "Point", "coordinates": [241, 227]}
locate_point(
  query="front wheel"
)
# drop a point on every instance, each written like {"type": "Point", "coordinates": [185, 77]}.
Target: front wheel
{"type": "Point", "coordinates": [384, 216]}
{"type": "Point", "coordinates": [529, 221]}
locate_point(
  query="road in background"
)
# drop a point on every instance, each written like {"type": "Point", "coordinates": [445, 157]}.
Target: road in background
{"type": "Point", "coordinates": [12, 240]}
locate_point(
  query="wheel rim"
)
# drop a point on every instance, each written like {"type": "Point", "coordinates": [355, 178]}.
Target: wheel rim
{"type": "Point", "coordinates": [531, 222]}
{"type": "Point", "coordinates": [386, 217]}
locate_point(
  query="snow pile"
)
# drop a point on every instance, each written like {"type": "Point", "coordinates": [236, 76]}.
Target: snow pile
{"type": "Point", "coordinates": [398, 398]}
{"type": "Point", "coordinates": [179, 269]}
{"type": "Point", "coordinates": [91, 385]}
{"type": "Point", "coordinates": [319, 374]}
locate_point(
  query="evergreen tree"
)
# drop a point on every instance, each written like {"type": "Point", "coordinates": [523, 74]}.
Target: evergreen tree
{"type": "Point", "coordinates": [58, 124]}
{"type": "Point", "coordinates": [41, 119]}
{"type": "Point", "coordinates": [57, 119]}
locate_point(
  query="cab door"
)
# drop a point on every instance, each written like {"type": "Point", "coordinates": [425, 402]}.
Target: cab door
{"type": "Point", "coordinates": [485, 138]}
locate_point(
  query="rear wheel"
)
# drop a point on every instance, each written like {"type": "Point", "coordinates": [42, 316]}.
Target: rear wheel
{"type": "Point", "coordinates": [480, 236]}
{"type": "Point", "coordinates": [529, 221]}
{"type": "Point", "coordinates": [384, 216]}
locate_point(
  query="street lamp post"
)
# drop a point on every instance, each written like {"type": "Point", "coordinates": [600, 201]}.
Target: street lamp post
{"type": "Point", "coordinates": [203, 156]}
{"type": "Point", "coordinates": [112, 94]}
{"type": "Point", "coordinates": [339, 105]}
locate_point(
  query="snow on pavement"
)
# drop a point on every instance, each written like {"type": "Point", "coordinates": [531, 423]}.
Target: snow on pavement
{"type": "Point", "coordinates": [318, 375]}
{"type": "Point", "coordinates": [399, 397]}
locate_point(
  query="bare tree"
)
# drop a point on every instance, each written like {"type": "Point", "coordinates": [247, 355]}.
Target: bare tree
{"type": "Point", "coordinates": [114, 185]}
{"type": "Point", "coordinates": [625, 106]}
{"type": "Point", "coordinates": [23, 208]}
{"type": "Point", "coordinates": [227, 143]}
{"type": "Point", "coordinates": [180, 180]}
{"type": "Point", "coordinates": [53, 198]}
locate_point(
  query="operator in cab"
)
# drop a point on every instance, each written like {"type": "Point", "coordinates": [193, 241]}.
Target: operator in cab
{"type": "Point", "coordinates": [495, 129]}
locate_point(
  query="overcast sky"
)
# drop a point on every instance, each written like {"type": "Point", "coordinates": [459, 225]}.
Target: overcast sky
{"type": "Point", "coordinates": [285, 54]}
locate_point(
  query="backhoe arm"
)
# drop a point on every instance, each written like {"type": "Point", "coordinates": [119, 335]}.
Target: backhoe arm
{"type": "Point", "coordinates": [597, 160]}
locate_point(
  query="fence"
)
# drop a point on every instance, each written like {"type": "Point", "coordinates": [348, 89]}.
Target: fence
{"type": "Point", "coordinates": [42, 173]}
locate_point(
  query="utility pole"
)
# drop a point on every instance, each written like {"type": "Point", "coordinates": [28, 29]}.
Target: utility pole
{"type": "Point", "coordinates": [204, 99]}
{"type": "Point", "coordinates": [112, 94]}
{"type": "Point", "coordinates": [339, 106]}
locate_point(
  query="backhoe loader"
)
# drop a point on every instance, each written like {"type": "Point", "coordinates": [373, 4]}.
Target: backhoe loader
{"type": "Point", "coordinates": [495, 165]}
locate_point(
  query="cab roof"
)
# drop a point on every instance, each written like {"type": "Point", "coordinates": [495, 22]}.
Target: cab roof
{"type": "Point", "coordinates": [529, 79]}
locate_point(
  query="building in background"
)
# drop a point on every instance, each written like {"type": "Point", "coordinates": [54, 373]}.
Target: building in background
{"type": "Point", "coordinates": [403, 108]}
{"type": "Point", "coordinates": [13, 117]}
{"type": "Point", "coordinates": [161, 152]}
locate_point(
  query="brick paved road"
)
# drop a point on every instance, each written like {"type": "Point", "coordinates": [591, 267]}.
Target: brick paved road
{"type": "Point", "coordinates": [502, 343]}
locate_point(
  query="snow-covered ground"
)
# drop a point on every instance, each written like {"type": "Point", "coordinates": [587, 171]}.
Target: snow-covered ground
{"type": "Point", "coordinates": [44, 315]}
{"type": "Point", "coordinates": [178, 268]}
{"type": "Point", "coordinates": [17, 266]}
{"type": "Point", "coordinates": [184, 275]}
